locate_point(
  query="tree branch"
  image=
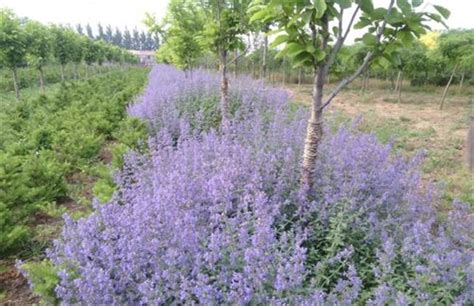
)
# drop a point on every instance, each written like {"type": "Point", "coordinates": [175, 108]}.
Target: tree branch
{"type": "Point", "coordinates": [341, 38]}
{"type": "Point", "coordinates": [368, 57]}
{"type": "Point", "coordinates": [238, 56]}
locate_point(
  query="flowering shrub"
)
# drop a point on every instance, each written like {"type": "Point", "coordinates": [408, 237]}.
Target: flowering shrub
{"type": "Point", "coordinates": [211, 218]}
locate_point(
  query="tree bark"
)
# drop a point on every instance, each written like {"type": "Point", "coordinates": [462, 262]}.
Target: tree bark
{"type": "Point", "coordinates": [264, 56]}
{"type": "Point", "coordinates": [399, 88]}
{"type": "Point", "coordinates": [16, 85]}
{"type": "Point", "coordinates": [445, 92]}
{"type": "Point", "coordinates": [300, 76]}
{"type": "Point", "coordinates": [224, 89]}
{"type": "Point", "coordinates": [62, 73]}
{"type": "Point", "coordinates": [461, 81]}
{"type": "Point", "coordinates": [41, 79]}
{"type": "Point", "coordinates": [314, 131]}
{"type": "Point", "coordinates": [470, 145]}
{"type": "Point", "coordinates": [398, 80]}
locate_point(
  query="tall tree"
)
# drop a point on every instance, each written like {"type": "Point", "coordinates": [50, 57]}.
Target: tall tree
{"type": "Point", "coordinates": [100, 32]}
{"type": "Point", "coordinates": [143, 41]}
{"type": "Point", "coordinates": [79, 29]}
{"type": "Point", "coordinates": [136, 40]}
{"type": "Point", "coordinates": [39, 43]}
{"type": "Point", "coordinates": [313, 32]}
{"type": "Point", "coordinates": [13, 42]}
{"type": "Point", "coordinates": [127, 39]}
{"type": "Point", "coordinates": [118, 39]}
{"type": "Point", "coordinates": [226, 22]}
{"type": "Point", "coordinates": [108, 34]}
{"type": "Point", "coordinates": [89, 31]}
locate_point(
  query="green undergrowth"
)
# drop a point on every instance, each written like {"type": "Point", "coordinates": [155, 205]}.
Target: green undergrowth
{"type": "Point", "coordinates": [54, 148]}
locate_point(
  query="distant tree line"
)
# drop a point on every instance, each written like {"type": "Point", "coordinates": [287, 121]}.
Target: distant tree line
{"type": "Point", "coordinates": [131, 40]}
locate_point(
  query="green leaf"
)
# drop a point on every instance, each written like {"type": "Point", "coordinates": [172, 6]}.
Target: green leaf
{"type": "Point", "coordinates": [320, 6]}
{"type": "Point", "coordinates": [416, 3]}
{"type": "Point", "coordinates": [279, 40]}
{"type": "Point", "coordinates": [259, 15]}
{"type": "Point", "coordinates": [293, 49]}
{"type": "Point", "coordinates": [369, 39]}
{"type": "Point", "coordinates": [443, 11]}
{"type": "Point", "coordinates": [366, 6]}
{"type": "Point", "coordinates": [404, 5]}
{"type": "Point", "coordinates": [344, 3]}
{"type": "Point", "coordinates": [319, 55]}
{"type": "Point", "coordinates": [306, 16]}
{"type": "Point", "coordinates": [363, 22]}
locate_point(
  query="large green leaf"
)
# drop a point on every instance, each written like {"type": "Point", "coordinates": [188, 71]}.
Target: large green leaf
{"type": "Point", "coordinates": [443, 11]}
{"type": "Point", "coordinates": [404, 5]}
{"type": "Point", "coordinates": [344, 3]}
{"type": "Point", "coordinates": [369, 39]}
{"type": "Point", "coordinates": [416, 3]}
{"type": "Point", "coordinates": [320, 6]}
{"type": "Point", "coordinates": [279, 40]}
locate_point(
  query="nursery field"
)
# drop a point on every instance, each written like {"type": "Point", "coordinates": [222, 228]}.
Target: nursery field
{"type": "Point", "coordinates": [58, 152]}
{"type": "Point", "coordinates": [211, 213]}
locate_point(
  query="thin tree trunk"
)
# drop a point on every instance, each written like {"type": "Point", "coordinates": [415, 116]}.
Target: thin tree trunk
{"type": "Point", "coordinates": [398, 80]}
{"type": "Point", "coordinates": [264, 56]}
{"type": "Point", "coordinates": [300, 76]}
{"type": "Point", "coordinates": [224, 89]}
{"type": "Point", "coordinates": [314, 131]}
{"type": "Point", "coordinates": [41, 79]}
{"type": "Point", "coordinates": [16, 85]}
{"type": "Point", "coordinates": [445, 92]}
{"type": "Point", "coordinates": [75, 72]}
{"type": "Point", "coordinates": [470, 145]}
{"type": "Point", "coordinates": [236, 63]}
{"type": "Point", "coordinates": [461, 82]}
{"type": "Point", "coordinates": [399, 89]}
{"type": "Point", "coordinates": [62, 73]}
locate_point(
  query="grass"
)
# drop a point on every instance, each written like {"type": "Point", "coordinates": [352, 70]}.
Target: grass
{"type": "Point", "coordinates": [414, 124]}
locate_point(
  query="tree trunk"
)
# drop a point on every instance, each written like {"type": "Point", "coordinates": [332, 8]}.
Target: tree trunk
{"type": "Point", "coordinates": [398, 80]}
{"type": "Point", "coordinates": [314, 131]}
{"type": "Point", "coordinates": [41, 79]}
{"type": "Point", "coordinates": [62, 73]}
{"type": "Point", "coordinates": [300, 76]}
{"type": "Point", "coordinates": [399, 88]}
{"type": "Point", "coordinates": [445, 92]}
{"type": "Point", "coordinates": [470, 145]}
{"type": "Point", "coordinates": [16, 85]}
{"type": "Point", "coordinates": [75, 72]}
{"type": "Point", "coordinates": [236, 63]}
{"type": "Point", "coordinates": [264, 56]}
{"type": "Point", "coordinates": [461, 81]}
{"type": "Point", "coordinates": [224, 89]}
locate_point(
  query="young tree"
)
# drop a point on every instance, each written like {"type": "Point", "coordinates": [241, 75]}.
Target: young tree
{"type": "Point", "coordinates": [313, 34]}
{"type": "Point", "coordinates": [13, 42]}
{"type": "Point", "coordinates": [39, 43]}
{"type": "Point", "coordinates": [226, 22]}
{"type": "Point", "coordinates": [77, 52]}
{"type": "Point", "coordinates": [63, 45]}
{"type": "Point", "coordinates": [180, 30]}
{"type": "Point", "coordinates": [458, 48]}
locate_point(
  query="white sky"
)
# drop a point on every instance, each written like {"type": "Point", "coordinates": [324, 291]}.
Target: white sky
{"type": "Point", "coordinates": [130, 13]}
